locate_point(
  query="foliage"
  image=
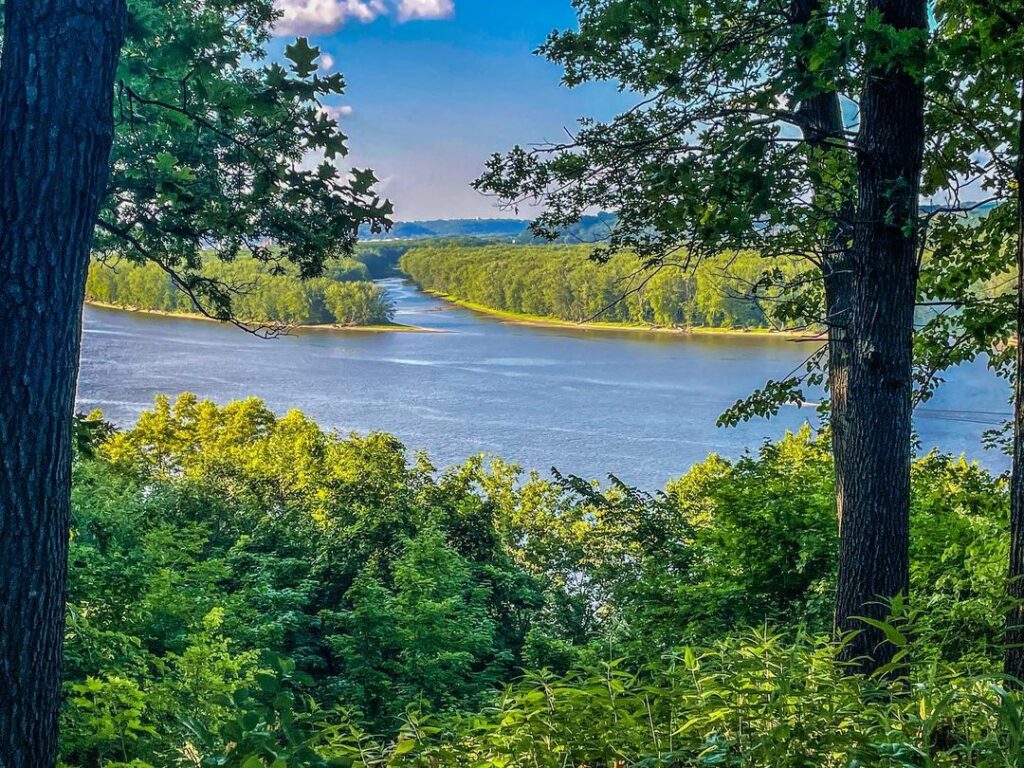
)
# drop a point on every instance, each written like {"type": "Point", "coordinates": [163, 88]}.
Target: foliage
{"type": "Point", "coordinates": [978, 120]}
{"type": "Point", "coordinates": [342, 297]}
{"type": "Point", "coordinates": [205, 537]}
{"type": "Point", "coordinates": [759, 699]}
{"type": "Point", "coordinates": [246, 588]}
{"type": "Point", "coordinates": [211, 149]}
{"type": "Point", "coordinates": [742, 137]}
{"type": "Point", "coordinates": [562, 282]}
{"type": "Point", "coordinates": [721, 152]}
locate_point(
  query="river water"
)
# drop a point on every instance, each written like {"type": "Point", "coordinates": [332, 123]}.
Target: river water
{"type": "Point", "coordinates": [641, 406]}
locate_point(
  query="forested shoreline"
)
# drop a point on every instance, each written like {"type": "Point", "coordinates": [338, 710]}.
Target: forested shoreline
{"type": "Point", "coordinates": [564, 284]}
{"type": "Point", "coordinates": [343, 296]}
{"type": "Point", "coordinates": [541, 284]}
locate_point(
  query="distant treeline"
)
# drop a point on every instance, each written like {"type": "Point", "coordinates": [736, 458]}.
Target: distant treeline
{"type": "Point", "coordinates": [590, 229]}
{"type": "Point", "coordinates": [381, 257]}
{"type": "Point", "coordinates": [413, 230]}
{"type": "Point", "coordinates": [562, 282]}
{"type": "Point", "coordinates": [343, 296]}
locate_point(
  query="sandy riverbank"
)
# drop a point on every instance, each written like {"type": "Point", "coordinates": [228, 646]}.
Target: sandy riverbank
{"type": "Point", "coordinates": [384, 328]}
{"type": "Point", "coordinates": [515, 318]}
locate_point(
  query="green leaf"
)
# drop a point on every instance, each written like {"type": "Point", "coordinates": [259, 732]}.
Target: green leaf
{"type": "Point", "coordinates": [892, 634]}
{"type": "Point", "coordinates": [302, 56]}
{"type": "Point", "coordinates": [405, 746]}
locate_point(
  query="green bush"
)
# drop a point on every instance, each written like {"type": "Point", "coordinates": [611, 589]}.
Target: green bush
{"type": "Point", "coordinates": [757, 699]}
{"type": "Point", "coordinates": [246, 588]}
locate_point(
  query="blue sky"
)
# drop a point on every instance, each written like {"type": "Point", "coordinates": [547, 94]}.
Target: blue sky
{"type": "Point", "coordinates": [436, 86]}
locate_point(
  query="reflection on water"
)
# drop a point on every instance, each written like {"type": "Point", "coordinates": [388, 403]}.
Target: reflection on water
{"type": "Point", "coordinates": [590, 403]}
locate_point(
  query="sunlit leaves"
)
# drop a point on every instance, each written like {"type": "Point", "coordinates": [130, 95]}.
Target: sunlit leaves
{"type": "Point", "coordinates": [247, 589]}
{"type": "Point", "coordinates": [219, 151]}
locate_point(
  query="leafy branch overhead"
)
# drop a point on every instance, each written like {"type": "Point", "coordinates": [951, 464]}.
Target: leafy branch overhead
{"type": "Point", "coordinates": [745, 134]}
{"type": "Point", "coordinates": [737, 141]}
{"type": "Point", "coordinates": [716, 154]}
{"type": "Point", "coordinates": [216, 155]}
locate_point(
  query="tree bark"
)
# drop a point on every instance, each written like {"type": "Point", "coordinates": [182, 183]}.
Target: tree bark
{"type": "Point", "coordinates": [839, 298]}
{"type": "Point", "coordinates": [56, 127]}
{"type": "Point", "coordinates": [1013, 662]}
{"type": "Point", "coordinates": [875, 491]}
{"type": "Point", "coordinates": [822, 118]}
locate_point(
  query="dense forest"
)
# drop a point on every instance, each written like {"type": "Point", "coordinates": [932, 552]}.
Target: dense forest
{"type": "Point", "coordinates": [248, 587]}
{"type": "Point", "coordinates": [563, 282]}
{"type": "Point", "coordinates": [342, 296]}
{"type": "Point", "coordinates": [382, 258]}
{"type": "Point", "coordinates": [545, 280]}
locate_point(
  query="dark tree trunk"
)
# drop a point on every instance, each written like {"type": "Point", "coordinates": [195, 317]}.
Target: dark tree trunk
{"type": "Point", "coordinates": [839, 298]}
{"type": "Point", "coordinates": [875, 486]}
{"type": "Point", "coordinates": [56, 86]}
{"type": "Point", "coordinates": [822, 120]}
{"type": "Point", "coordinates": [1014, 660]}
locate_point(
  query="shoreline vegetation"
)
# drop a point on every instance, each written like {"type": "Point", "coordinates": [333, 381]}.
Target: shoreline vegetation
{"type": "Point", "coordinates": [344, 296]}
{"type": "Point", "coordinates": [540, 321]}
{"type": "Point", "coordinates": [561, 286]}
{"type": "Point", "coordinates": [391, 327]}
{"type": "Point", "coordinates": [511, 318]}
{"type": "Point", "coordinates": [488, 279]}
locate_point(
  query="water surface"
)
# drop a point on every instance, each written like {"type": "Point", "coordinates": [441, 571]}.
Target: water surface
{"type": "Point", "coordinates": [642, 406]}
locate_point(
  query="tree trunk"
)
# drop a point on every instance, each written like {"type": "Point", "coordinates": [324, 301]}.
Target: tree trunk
{"type": "Point", "coordinates": [822, 118]}
{"type": "Point", "coordinates": [1014, 658]}
{"type": "Point", "coordinates": [875, 491]}
{"type": "Point", "coordinates": [839, 297]}
{"type": "Point", "coordinates": [56, 127]}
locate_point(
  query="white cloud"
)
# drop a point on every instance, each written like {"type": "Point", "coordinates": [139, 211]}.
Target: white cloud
{"type": "Point", "coordinates": [326, 62]}
{"type": "Point", "coordinates": [312, 17]}
{"type": "Point", "coordinates": [322, 16]}
{"type": "Point", "coordinates": [337, 112]}
{"type": "Point", "coordinates": [425, 9]}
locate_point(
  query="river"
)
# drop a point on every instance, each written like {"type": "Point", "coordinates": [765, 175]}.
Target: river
{"type": "Point", "coordinates": [641, 406]}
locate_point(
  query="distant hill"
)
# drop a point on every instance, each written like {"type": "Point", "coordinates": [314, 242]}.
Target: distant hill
{"type": "Point", "coordinates": [416, 230]}
{"type": "Point", "coordinates": [589, 230]}
{"type": "Point", "coordinates": [973, 211]}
